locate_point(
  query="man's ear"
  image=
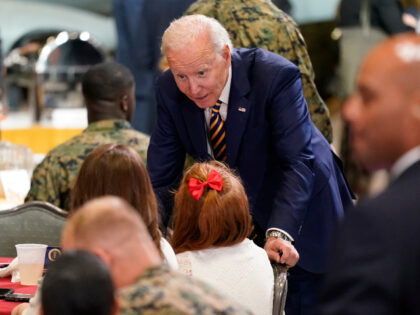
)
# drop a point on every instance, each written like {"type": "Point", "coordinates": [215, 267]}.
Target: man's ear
{"type": "Point", "coordinates": [414, 105]}
{"type": "Point", "coordinates": [124, 103]}
{"type": "Point", "coordinates": [103, 255]}
{"type": "Point", "coordinates": [415, 110]}
{"type": "Point", "coordinates": [226, 54]}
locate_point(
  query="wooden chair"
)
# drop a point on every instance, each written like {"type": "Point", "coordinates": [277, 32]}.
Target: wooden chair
{"type": "Point", "coordinates": [32, 222]}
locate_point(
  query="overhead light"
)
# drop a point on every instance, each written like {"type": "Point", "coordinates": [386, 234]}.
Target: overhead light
{"type": "Point", "coordinates": [84, 36]}
{"type": "Point", "coordinates": [61, 38]}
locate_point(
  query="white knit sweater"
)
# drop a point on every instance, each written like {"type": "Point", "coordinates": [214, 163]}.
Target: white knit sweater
{"type": "Point", "coordinates": [241, 272]}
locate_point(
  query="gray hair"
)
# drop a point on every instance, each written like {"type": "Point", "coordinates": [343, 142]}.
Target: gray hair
{"type": "Point", "coordinates": [187, 29]}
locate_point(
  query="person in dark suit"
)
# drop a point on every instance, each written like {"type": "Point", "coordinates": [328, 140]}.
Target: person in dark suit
{"type": "Point", "coordinates": [363, 24]}
{"type": "Point", "coordinates": [246, 107]}
{"type": "Point", "coordinates": [140, 25]}
{"type": "Point", "coordinates": [374, 265]}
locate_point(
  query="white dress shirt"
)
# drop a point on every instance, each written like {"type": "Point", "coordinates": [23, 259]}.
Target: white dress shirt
{"type": "Point", "coordinates": [405, 161]}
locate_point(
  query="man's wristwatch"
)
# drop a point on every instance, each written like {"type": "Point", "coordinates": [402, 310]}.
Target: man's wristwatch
{"type": "Point", "coordinates": [279, 234]}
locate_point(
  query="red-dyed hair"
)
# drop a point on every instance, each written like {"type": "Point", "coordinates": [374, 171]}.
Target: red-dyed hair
{"type": "Point", "coordinates": [218, 218]}
{"type": "Point", "coordinates": [116, 169]}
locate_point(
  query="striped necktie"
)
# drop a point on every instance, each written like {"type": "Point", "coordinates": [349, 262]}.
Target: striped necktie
{"type": "Point", "coordinates": [217, 133]}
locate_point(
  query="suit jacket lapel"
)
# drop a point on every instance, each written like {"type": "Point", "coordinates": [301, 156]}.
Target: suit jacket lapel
{"type": "Point", "coordinates": [238, 109]}
{"type": "Point", "coordinates": [195, 125]}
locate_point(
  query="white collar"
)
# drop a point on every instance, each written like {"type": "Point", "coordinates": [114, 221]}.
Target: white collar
{"type": "Point", "coordinates": [405, 161]}
{"type": "Point", "coordinates": [224, 97]}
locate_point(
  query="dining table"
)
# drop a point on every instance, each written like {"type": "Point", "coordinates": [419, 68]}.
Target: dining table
{"type": "Point", "coordinates": [6, 307]}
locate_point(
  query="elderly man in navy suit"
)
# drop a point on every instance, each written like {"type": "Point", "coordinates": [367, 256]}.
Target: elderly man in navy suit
{"type": "Point", "coordinates": [245, 107]}
{"type": "Point", "coordinates": [375, 263]}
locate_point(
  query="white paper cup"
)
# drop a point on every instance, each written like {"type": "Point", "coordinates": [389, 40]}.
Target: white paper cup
{"type": "Point", "coordinates": [31, 258]}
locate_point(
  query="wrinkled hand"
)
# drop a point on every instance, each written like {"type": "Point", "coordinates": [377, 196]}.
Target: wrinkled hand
{"type": "Point", "coordinates": [289, 256]}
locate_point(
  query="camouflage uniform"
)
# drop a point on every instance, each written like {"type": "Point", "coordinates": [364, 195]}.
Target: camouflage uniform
{"type": "Point", "coordinates": [53, 177]}
{"type": "Point", "coordinates": [161, 291]}
{"type": "Point", "coordinates": [259, 23]}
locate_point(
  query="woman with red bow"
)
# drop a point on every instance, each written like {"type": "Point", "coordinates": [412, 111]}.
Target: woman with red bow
{"type": "Point", "coordinates": [210, 228]}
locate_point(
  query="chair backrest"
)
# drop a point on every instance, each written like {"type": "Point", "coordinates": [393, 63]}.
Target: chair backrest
{"type": "Point", "coordinates": [32, 222]}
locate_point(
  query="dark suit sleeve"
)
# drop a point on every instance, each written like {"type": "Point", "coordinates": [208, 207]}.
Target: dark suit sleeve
{"type": "Point", "coordinates": [362, 275]}
{"type": "Point", "coordinates": [390, 16]}
{"type": "Point", "coordinates": [165, 158]}
{"type": "Point", "coordinates": [291, 134]}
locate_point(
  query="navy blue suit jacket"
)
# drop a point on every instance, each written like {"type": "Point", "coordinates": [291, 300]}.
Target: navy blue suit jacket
{"type": "Point", "coordinates": [288, 170]}
{"type": "Point", "coordinates": [375, 263]}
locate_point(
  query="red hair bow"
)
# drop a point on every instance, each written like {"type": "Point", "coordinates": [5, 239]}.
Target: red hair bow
{"type": "Point", "coordinates": [196, 186]}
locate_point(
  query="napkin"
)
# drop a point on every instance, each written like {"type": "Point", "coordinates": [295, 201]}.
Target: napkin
{"type": "Point", "coordinates": [11, 270]}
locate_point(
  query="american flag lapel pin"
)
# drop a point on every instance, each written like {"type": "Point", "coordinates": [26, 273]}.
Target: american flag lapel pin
{"type": "Point", "coordinates": [242, 109]}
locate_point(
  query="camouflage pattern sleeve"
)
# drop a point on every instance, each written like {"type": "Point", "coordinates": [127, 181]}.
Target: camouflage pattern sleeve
{"type": "Point", "coordinates": [46, 183]}
{"type": "Point", "coordinates": [140, 143]}
{"type": "Point", "coordinates": [122, 133]}
{"type": "Point", "coordinates": [160, 291]}
{"type": "Point", "coordinates": [54, 177]}
{"type": "Point", "coordinates": [259, 23]}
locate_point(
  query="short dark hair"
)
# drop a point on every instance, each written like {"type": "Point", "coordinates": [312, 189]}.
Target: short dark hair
{"type": "Point", "coordinates": [106, 81]}
{"type": "Point", "coordinates": [78, 282]}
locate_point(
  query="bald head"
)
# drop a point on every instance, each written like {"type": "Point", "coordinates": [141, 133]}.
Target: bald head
{"type": "Point", "coordinates": [398, 60]}
{"type": "Point", "coordinates": [106, 222]}
{"type": "Point", "coordinates": [110, 228]}
{"type": "Point", "coordinates": [384, 112]}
